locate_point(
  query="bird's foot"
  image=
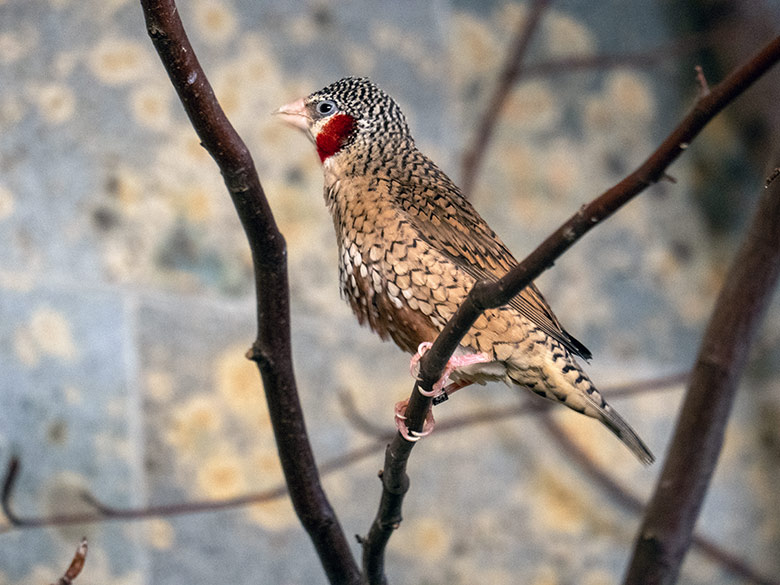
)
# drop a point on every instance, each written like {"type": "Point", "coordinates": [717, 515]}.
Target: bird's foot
{"type": "Point", "coordinates": [442, 388]}
{"type": "Point", "coordinates": [406, 433]}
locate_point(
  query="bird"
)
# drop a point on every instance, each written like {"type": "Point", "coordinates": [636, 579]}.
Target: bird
{"type": "Point", "coordinates": [411, 246]}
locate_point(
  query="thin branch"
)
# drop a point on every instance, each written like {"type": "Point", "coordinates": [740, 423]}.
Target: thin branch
{"type": "Point", "coordinates": [485, 295]}
{"type": "Point", "coordinates": [104, 512]}
{"type": "Point", "coordinates": [395, 482]}
{"type": "Point", "coordinates": [772, 176]}
{"type": "Point", "coordinates": [620, 495]}
{"type": "Point", "coordinates": [638, 59]}
{"type": "Point", "coordinates": [514, 69]}
{"type": "Point", "coordinates": [538, 406]}
{"type": "Point", "coordinates": [665, 534]}
{"type": "Point", "coordinates": [509, 75]}
{"type": "Point", "coordinates": [271, 350]}
{"type": "Point", "coordinates": [79, 558]}
{"type": "Point", "coordinates": [475, 152]}
{"type": "Point", "coordinates": [704, 87]}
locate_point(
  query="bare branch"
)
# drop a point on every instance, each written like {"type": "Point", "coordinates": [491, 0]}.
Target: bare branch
{"type": "Point", "coordinates": [620, 495]}
{"type": "Point", "coordinates": [271, 350]}
{"type": "Point", "coordinates": [669, 519]}
{"type": "Point", "coordinates": [105, 512]}
{"type": "Point", "coordinates": [472, 158]}
{"type": "Point", "coordinates": [773, 175]}
{"type": "Point", "coordinates": [704, 87]}
{"type": "Point", "coordinates": [485, 295]}
{"type": "Point", "coordinates": [79, 558]}
{"type": "Point", "coordinates": [638, 59]}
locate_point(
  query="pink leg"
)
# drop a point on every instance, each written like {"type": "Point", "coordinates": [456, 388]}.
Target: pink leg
{"type": "Point", "coordinates": [441, 389]}
{"type": "Point", "coordinates": [453, 364]}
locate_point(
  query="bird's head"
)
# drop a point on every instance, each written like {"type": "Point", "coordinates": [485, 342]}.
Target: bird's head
{"type": "Point", "coordinates": [346, 115]}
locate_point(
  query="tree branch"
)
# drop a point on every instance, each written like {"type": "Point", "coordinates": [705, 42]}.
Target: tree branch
{"type": "Point", "coordinates": [74, 569]}
{"type": "Point", "coordinates": [665, 534]}
{"type": "Point", "coordinates": [472, 158]}
{"type": "Point", "coordinates": [618, 494]}
{"type": "Point", "coordinates": [105, 512]}
{"type": "Point", "coordinates": [271, 350]}
{"type": "Point", "coordinates": [486, 295]}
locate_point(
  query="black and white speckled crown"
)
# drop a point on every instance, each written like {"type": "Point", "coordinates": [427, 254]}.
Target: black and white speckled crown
{"type": "Point", "coordinates": [377, 114]}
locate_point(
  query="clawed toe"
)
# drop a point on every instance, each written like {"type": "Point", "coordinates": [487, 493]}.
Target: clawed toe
{"type": "Point", "coordinates": [406, 433]}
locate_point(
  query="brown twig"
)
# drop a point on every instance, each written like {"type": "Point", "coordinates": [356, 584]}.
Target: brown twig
{"type": "Point", "coordinates": [395, 482]}
{"type": "Point", "coordinates": [485, 295]}
{"type": "Point", "coordinates": [362, 424]}
{"type": "Point", "coordinates": [472, 157]}
{"type": "Point", "coordinates": [104, 512]}
{"type": "Point", "coordinates": [704, 87]}
{"type": "Point", "coordinates": [271, 350]}
{"type": "Point", "coordinates": [772, 176]}
{"type": "Point", "coordinates": [639, 59]}
{"type": "Point", "coordinates": [79, 558]}
{"type": "Point", "coordinates": [669, 519]}
{"type": "Point", "coordinates": [620, 495]}
{"type": "Point", "coordinates": [475, 152]}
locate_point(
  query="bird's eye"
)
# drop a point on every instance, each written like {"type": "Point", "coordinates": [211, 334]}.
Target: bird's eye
{"type": "Point", "coordinates": [326, 107]}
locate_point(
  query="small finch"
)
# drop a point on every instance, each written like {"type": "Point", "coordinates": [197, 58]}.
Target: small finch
{"type": "Point", "coordinates": [411, 247]}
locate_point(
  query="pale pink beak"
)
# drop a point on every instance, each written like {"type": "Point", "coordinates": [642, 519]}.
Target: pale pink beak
{"type": "Point", "coordinates": [295, 115]}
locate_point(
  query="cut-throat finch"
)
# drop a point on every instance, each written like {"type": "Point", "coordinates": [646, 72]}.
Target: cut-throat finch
{"type": "Point", "coordinates": [411, 247]}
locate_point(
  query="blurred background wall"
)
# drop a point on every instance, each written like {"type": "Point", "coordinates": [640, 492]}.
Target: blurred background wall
{"type": "Point", "coordinates": [126, 301]}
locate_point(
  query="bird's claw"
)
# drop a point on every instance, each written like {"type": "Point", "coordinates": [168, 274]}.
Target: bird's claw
{"type": "Point", "coordinates": [442, 387]}
{"type": "Point", "coordinates": [414, 369]}
{"type": "Point", "coordinates": [406, 433]}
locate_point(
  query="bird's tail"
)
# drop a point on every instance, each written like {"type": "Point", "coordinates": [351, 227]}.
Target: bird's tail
{"type": "Point", "coordinates": [571, 386]}
{"type": "Point", "coordinates": [623, 431]}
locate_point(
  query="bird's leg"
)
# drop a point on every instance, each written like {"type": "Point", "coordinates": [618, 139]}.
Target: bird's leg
{"type": "Point", "coordinates": [443, 386]}
{"type": "Point", "coordinates": [441, 389]}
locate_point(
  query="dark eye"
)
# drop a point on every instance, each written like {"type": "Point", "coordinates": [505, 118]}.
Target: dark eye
{"type": "Point", "coordinates": [326, 107]}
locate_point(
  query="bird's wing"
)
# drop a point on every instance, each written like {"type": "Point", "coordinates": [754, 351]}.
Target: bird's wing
{"type": "Point", "coordinates": [449, 223]}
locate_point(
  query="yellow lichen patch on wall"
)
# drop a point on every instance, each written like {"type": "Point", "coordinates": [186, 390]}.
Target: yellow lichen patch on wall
{"type": "Point", "coordinates": [159, 385]}
{"type": "Point", "coordinates": [151, 106]}
{"type": "Point", "coordinates": [56, 102]}
{"type": "Point", "coordinates": [7, 202]}
{"type": "Point", "coordinates": [266, 473]}
{"type": "Point", "coordinates": [274, 515]}
{"type": "Point", "coordinates": [428, 537]}
{"type": "Point", "coordinates": [565, 36]}
{"type": "Point", "coordinates": [560, 507]}
{"type": "Point", "coordinates": [221, 476]}
{"type": "Point", "coordinates": [238, 382]}
{"type": "Point", "coordinates": [119, 61]}
{"type": "Point", "coordinates": [532, 106]}
{"type": "Point", "coordinates": [631, 94]}
{"type": "Point", "coordinates": [161, 534]}
{"type": "Point", "coordinates": [194, 425]}
{"type": "Point", "coordinates": [51, 331]}
{"type": "Point", "coordinates": [216, 21]}
{"type": "Point", "coordinates": [47, 333]}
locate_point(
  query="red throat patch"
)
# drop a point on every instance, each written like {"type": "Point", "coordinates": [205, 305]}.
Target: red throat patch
{"type": "Point", "coordinates": [334, 134]}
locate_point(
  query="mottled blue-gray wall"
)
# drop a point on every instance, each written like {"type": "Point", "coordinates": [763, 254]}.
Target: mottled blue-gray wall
{"type": "Point", "coordinates": [126, 300]}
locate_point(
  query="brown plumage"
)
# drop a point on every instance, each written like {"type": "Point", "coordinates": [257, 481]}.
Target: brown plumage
{"type": "Point", "coordinates": [411, 247]}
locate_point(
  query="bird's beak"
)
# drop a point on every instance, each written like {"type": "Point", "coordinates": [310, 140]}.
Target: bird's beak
{"type": "Point", "coordinates": [295, 115]}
